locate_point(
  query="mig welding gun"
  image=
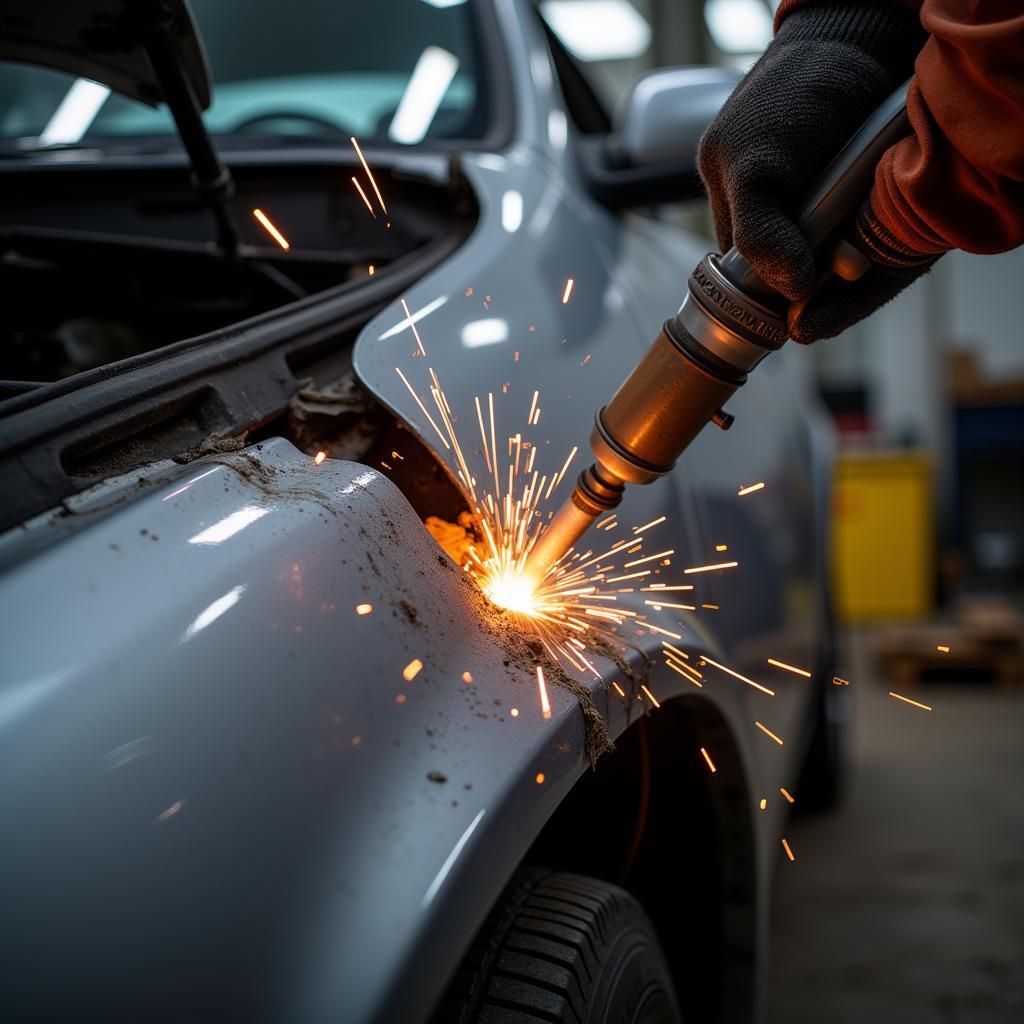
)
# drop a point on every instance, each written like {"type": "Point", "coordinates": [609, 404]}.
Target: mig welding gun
{"type": "Point", "coordinates": [728, 322]}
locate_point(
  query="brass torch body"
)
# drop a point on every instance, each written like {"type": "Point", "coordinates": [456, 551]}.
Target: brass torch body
{"type": "Point", "coordinates": [695, 364]}
{"type": "Point", "coordinates": [729, 321]}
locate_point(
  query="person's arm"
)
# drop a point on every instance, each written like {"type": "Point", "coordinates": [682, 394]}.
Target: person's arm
{"type": "Point", "coordinates": [957, 182]}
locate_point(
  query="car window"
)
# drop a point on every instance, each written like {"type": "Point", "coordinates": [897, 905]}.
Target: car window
{"type": "Point", "coordinates": [391, 70]}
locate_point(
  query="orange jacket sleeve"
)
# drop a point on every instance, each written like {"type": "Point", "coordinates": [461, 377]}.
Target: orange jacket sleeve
{"type": "Point", "coordinates": [958, 180]}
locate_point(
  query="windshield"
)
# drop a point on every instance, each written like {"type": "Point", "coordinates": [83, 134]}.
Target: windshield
{"type": "Point", "coordinates": [388, 70]}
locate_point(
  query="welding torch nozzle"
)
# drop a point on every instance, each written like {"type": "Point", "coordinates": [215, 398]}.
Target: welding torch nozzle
{"type": "Point", "coordinates": [698, 360]}
{"type": "Point", "coordinates": [729, 321]}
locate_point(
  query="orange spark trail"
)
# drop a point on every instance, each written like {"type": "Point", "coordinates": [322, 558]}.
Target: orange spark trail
{"type": "Point", "coordinates": [707, 757]}
{"type": "Point", "coordinates": [789, 668]}
{"type": "Point", "coordinates": [412, 670]}
{"type": "Point", "coordinates": [545, 706]}
{"type": "Point", "coordinates": [658, 629]}
{"type": "Point", "coordinates": [649, 558]}
{"type": "Point", "coordinates": [785, 793]}
{"type": "Point", "coordinates": [271, 230]}
{"type": "Point", "coordinates": [369, 174]}
{"type": "Point", "coordinates": [364, 609]}
{"type": "Point", "coordinates": [359, 189]}
{"type": "Point", "coordinates": [742, 679]}
{"type": "Point", "coordinates": [647, 526]}
{"type": "Point", "coordinates": [751, 488]}
{"type": "Point", "coordinates": [415, 333]}
{"type": "Point", "coordinates": [567, 292]}
{"type": "Point", "coordinates": [907, 700]}
{"type": "Point", "coordinates": [789, 852]}
{"type": "Point", "coordinates": [768, 733]}
{"type": "Point", "coordinates": [679, 669]}
{"type": "Point", "coordinates": [319, 458]}
{"type": "Point", "coordinates": [423, 409]}
{"type": "Point", "coordinates": [650, 696]}
{"type": "Point", "coordinates": [709, 568]}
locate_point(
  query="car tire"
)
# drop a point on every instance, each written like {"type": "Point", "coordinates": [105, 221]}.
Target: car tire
{"type": "Point", "coordinates": [562, 947]}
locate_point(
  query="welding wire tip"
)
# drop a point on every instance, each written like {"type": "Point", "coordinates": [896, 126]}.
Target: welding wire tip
{"type": "Point", "coordinates": [569, 524]}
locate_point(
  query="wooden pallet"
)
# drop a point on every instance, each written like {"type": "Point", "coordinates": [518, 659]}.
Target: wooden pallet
{"type": "Point", "coordinates": [915, 655]}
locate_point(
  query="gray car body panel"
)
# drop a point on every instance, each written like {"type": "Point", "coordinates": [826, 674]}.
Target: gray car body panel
{"type": "Point", "coordinates": [211, 787]}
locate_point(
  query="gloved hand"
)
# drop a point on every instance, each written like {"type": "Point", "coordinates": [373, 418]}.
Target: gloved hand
{"type": "Point", "coordinates": [837, 303]}
{"type": "Point", "coordinates": [829, 66]}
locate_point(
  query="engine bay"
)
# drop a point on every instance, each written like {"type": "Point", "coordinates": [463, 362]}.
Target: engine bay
{"type": "Point", "coordinates": [99, 265]}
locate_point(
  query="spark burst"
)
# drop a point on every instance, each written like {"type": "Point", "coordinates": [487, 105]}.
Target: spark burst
{"type": "Point", "coordinates": [580, 597]}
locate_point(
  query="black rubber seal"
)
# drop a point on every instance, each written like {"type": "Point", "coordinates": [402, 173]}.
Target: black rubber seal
{"type": "Point", "coordinates": [697, 353]}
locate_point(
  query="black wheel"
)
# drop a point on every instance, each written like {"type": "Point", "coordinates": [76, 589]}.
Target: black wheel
{"type": "Point", "coordinates": [561, 947]}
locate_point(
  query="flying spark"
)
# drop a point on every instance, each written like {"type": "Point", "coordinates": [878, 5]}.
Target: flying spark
{"type": "Point", "coordinates": [907, 700]}
{"type": "Point", "coordinates": [578, 600]}
{"type": "Point", "coordinates": [539, 779]}
{"type": "Point", "coordinates": [415, 333]}
{"type": "Point", "coordinates": [650, 696]}
{"type": "Point", "coordinates": [785, 793]}
{"type": "Point", "coordinates": [707, 757]}
{"type": "Point", "coordinates": [319, 458]}
{"type": "Point", "coordinates": [362, 195]}
{"type": "Point", "coordinates": [789, 852]}
{"type": "Point", "coordinates": [736, 675]}
{"type": "Point", "coordinates": [710, 568]}
{"type": "Point", "coordinates": [647, 526]}
{"type": "Point", "coordinates": [567, 292]}
{"type": "Point", "coordinates": [412, 670]}
{"type": "Point", "coordinates": [768, 733]}
{"type": "Point", "coordinates": [750, 490]}
{"type": "Point", "coordinates": [271, 230]}
{"type": "Point", "coordinates": [764, 803]}
{"type": "Point", "coordinates": [369, 174]}
{"type": "Point", "coordinates": [943, 648]}
{"type": "Point", "coordinates": [364, 609]}
{"type": "Point", "coordinates": [545, 705]}
{"type": "Point", "coordinates": [169, 812]}
{"type": "Point", "coordinates": [789, 668]}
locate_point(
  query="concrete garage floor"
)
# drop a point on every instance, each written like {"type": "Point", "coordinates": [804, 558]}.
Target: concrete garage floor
{"type": "Point", "coordinates": [906, 905]}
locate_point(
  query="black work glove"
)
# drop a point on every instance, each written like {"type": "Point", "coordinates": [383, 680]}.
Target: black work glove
{"type": "Point", "coordinates": [837, 303]}
{"type": "Point", "coordinates": [828, 68]}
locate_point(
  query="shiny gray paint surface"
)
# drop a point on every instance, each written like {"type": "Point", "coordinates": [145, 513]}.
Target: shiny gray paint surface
{"type": "Point", "coordinates": [235, 803]}
{"type": "Point", "coordinates": [214, 791]}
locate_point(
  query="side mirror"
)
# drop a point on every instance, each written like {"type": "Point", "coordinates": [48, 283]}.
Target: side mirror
{"type": "Point", "coordinates": [651, 154]}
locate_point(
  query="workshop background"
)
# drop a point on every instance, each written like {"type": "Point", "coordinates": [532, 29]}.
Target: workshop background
{"type": "Point", "coordinates": [909, 901]}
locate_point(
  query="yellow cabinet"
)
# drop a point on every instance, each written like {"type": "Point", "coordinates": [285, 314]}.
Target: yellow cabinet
{"type": "Point", "coordinates": [883, 536]}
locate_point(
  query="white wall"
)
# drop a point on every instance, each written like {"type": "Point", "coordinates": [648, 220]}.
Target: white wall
{"type": "Point", "coordinates": [985, 299]}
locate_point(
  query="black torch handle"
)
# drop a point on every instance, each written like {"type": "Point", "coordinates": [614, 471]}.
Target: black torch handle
{"type": "Point", "coordinates": [839, 191]}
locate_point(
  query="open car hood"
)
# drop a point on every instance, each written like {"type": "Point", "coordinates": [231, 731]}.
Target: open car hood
{"type": "Point", "coordinates": [98, 39]}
